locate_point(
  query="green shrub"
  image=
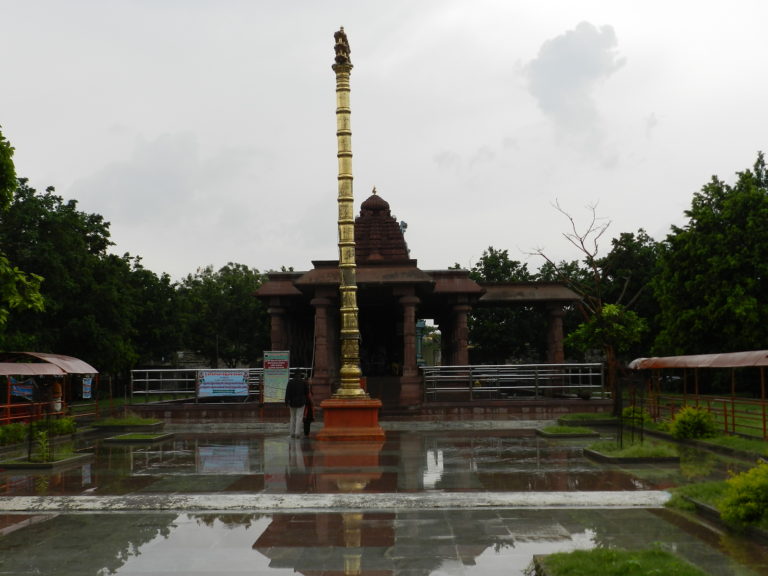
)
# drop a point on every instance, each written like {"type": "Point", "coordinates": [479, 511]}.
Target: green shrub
{"type": "Point", "coordinates": [634, 415]}
{"type": "Point", "coordinates": [13, 433]}
{"type": "Point", "coordinates": [615, 562]}
{"type": "Point", "coordinates": [63, 426]}
{"type": "Point", "coordinates": [692, 422]}
{"type": "Point", "coordinates": [746, 497]}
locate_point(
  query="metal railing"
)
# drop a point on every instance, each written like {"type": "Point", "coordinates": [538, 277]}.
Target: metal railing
{"type": "Point", "coordinates": [510, 381]}
{"type": "Point", "coordinates": [733, 414]}
{"type": "Point", "coordinates": [179, 383]}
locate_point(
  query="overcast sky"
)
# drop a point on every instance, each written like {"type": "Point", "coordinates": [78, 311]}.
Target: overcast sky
{"type": "Point", "coordinates": [204, 130]}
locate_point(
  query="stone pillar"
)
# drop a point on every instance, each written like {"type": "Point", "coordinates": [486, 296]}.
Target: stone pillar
{"type": "Point", "coordinates": [409, 335]}
{"type": "Point", "coordinates": [555, 350]}
{"type": "Point", "coordinates": [321, 372]}
{"type": "Point", "coordinates": [410, 382]}
{"type": "Point", "coordinates": [277, 333]}
{"type": "Point", "coordinates": [460, 335]}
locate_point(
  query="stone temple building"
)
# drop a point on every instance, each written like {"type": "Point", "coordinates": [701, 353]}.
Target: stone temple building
{"type": "Point", "coordinates": [393, 293]}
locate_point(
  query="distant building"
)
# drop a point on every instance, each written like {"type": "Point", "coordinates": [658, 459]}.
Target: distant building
{"type": "Point", "coordinates": [393, 294]}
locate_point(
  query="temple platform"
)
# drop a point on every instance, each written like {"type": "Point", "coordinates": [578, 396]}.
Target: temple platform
{"type": "Point", "coordinates": [176, 412]}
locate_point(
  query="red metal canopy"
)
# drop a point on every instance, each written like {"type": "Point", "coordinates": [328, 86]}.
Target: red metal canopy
{"type": "Point", "coordinates": [25, 364]}
{"type": "Point", "coordinates": [725, 360]}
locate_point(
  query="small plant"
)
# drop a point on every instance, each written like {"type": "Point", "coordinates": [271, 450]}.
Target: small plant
{"type": "Point", "coordinates": [42, 446]}
{"type": "Point", "coordinates": [635, 416]}
{"type": "Point", "coordinates": [746, 498]}
{"type": "Point", "coordinates": [691, 423]}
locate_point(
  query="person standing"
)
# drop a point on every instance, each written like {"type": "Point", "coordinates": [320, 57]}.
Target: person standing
{"type": "Point", "coordinates": [309, 413]}
{"type": "Point", "coordinates": [295, 398]}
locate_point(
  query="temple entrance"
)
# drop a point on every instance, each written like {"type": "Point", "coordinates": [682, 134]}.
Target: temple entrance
{"type": "Point", "coordinates": [381, 343]}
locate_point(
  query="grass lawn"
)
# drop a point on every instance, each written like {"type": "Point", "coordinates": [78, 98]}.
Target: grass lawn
{"type": "Point", "coordinates": [629, 449]}
{"type": "Point", "coordinates": [127, 420]}
{"type": "Point", "coordinates": [612, 562]}
{"type": "Point", "coordinates": [586, 417]}
{"type": "Point", "coordinates": [568, 430]}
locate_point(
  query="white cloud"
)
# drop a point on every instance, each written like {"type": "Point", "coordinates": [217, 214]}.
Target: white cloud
{"type": "Point", "coordinates": [566, 71]}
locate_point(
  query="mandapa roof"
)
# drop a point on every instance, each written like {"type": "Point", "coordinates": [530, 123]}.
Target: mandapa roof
{"type": "Point", "coordinates": [42, 364]}
{"type": "Point", "coordinates": [724, 360]}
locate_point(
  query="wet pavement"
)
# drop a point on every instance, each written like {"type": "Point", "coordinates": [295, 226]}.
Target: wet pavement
{"type": "Point", "coordinates": [478, 498]}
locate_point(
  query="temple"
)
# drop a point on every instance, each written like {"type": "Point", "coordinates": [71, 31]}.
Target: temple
{"type": "Point", "coordinates": [393, 294]}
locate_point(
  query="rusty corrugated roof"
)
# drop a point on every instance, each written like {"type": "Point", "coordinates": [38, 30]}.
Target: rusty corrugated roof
{"type": "Point", "coordinates": [29, 369]}
{"type": "Point", "coordinates": [724, 360]}
{"type": "Point", "coordinates": [65, 364]}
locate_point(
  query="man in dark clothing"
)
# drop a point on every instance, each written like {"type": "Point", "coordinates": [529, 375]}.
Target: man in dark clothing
{"type": "Point", "coordinates": [295, 398]}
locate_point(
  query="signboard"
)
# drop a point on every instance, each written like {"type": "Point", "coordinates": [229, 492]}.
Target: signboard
{"type": "Point", "coordinates": [24, 389]}
{"type": "Point", "coordinates": [87, 387]}
{"type": "Point", "coordinates": [218, 383]}
{"type": "Point", "coordinates": [277, 369]}
{"type": "Point", "coordinates": [222, 460]}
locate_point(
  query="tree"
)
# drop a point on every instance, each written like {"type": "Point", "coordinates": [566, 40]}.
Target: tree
{"type": "Point", "coordinates": [18, 291]}
{"type": "Point", "coordinates": [222, 317]}
{"type": "Point", "coordinates": [628, 272]}
{"type": "Point", "coordinates": [610, 327]}
{"type": "Point", "coordinates": [713, 272]}
{"type": "Point", "coordinates": [499, 333]}
{"type": "Point", "coordinates": [93, 298]}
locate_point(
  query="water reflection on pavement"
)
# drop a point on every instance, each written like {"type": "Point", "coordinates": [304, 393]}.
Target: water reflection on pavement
{"type": "Point", "coordinates": [370, 542]}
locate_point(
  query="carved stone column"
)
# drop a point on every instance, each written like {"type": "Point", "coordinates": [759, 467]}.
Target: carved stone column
{"type": "Point", "coordinates": [321, 373]}
{"type": "Point", "coordinates": [460, 335]}
{"type": "Point", "coordinates": [555, 350]}
{"type": "Point", "coordinates": [410, 382]}
{"type": "Point", "coordinates": [277, 328]}
{"type": "Point", "coordinates": [409, 304]}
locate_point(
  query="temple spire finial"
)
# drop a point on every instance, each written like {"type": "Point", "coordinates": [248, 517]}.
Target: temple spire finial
{"type": "Point", "coordinates": [342, 47]}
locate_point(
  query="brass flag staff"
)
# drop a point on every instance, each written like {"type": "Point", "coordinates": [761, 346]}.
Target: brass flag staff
{"type": "Point", "coordinates": [350, 371]}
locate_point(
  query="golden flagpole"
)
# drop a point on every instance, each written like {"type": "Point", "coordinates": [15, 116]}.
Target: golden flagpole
{"type": "Point", "coordinates": [350, 371]}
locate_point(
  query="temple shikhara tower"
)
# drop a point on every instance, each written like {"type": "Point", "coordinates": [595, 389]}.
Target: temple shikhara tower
{"type": "Point", "coordinates": [356, 317]}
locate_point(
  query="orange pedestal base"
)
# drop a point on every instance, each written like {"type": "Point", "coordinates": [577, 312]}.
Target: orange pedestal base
{"type": "Point", "coordinates": [347, 466]}
{"type": "Point", "coordinates": [351, 419]}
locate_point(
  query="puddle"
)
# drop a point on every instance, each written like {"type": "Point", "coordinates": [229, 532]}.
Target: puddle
{"type": "Point", "coordinates": [447, 542]}
{"type": "Point", "coordinates": [365, 541]}
{"type": "Point", "coordinates": [501, 460]}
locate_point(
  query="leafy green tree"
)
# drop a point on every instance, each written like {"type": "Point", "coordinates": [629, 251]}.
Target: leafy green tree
{"type": "Point", "coordinates": [615, 324]}
{"type": "Point", "coordinates": [713, 272]}
{"type": "Point", "coordinates": [51, 238]}
{"type": "Point", "coordinates": [157, 317]}
{"type": "Point", "coordinates": [101, 307]}
{"type": "Point", "coordinates": [499, 333]}
{"type": "Point", "coordinates": [628, 272]}
{"type": "Point", "coordinates": [222, 317]}
{"type": "Point", "coordinates": [18, 291]}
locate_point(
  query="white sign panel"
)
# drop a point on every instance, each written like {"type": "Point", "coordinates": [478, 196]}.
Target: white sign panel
{"type": "Point", "coordinates": [217, 383]}
{"type": "Point", "coordinates": [277, 368]}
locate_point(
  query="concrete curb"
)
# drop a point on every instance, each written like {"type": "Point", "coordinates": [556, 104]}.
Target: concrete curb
{"type": "Point", "coordinates": [337, 502]}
